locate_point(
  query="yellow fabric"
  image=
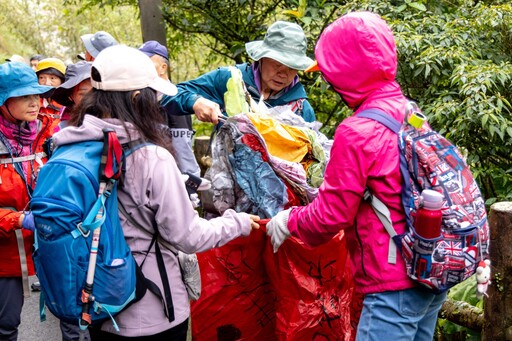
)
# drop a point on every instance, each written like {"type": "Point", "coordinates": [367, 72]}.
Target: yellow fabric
{"type": "Point", "coordinates": [234, 97]}
{"type": "Point", "coordinates": [283, 141]}
{"type": "Point", "coordinates": [55, 63]}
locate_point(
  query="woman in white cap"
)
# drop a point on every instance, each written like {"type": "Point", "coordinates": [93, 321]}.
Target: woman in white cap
{"type": "Point", "coordinates": [19, 108]}
{"type": "Point", "coordinates": [125, 98]}
{"type": "Point", "coordinates": [273, 76]}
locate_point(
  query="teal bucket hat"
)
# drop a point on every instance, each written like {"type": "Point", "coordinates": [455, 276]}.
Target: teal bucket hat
{"type": "Point", "coordinates": [18, 79]}
{"type": "Point", "coordinates": [284, 42]}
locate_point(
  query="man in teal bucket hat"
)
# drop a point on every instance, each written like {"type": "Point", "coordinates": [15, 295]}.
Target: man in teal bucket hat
{"type": "Point", "coordinates": [272, 77]}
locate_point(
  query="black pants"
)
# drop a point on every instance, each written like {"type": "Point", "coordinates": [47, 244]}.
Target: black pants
{"type": "Point", "coordinates": [178, 333]}
{"type": "Point", "coordinates": [11, 302]}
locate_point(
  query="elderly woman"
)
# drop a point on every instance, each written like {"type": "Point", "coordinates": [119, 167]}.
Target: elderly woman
{"type": "Point", "coordinates": [19, 108]}
{"type": "Point", "coordinates": [273, 76]}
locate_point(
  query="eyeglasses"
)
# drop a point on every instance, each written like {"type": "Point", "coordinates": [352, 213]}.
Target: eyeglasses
{"type": "Point", "coordinates": [277, 66]}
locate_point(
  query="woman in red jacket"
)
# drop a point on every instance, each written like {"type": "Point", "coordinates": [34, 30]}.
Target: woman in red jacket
{"type": "Point", "coordinates": [19, 109]}
{"type": "Point", "coordinates": [50, 72]}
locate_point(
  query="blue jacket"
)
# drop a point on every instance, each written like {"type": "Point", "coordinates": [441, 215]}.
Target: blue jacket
{"type": "Point", "coordinates": [212, 86]}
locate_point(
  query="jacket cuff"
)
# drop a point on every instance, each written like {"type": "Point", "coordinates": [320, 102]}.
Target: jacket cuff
{"type": "Point", "coordinates": [191, 101]}
{"type": "Point", "coordinates": [14, 220]}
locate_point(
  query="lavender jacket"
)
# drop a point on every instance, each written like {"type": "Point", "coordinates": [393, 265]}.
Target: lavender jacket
{"type": "Point", "coordinates": [155, 195]}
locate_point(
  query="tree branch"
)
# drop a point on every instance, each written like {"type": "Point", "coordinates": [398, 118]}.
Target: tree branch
{"type": "Point", "coordinates": [463, 314]}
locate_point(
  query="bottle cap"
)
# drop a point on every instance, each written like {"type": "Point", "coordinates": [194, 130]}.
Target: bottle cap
{"type": "Point", "coordinates": [431, 199]}
{"type": "Point", "coordinates": [413, 115]}
{"type": "Point", "coordinates": [416, 119]}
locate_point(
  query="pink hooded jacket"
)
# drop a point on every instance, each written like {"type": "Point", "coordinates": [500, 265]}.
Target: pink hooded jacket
{"type": "Point", "coordinates": [357, 56]}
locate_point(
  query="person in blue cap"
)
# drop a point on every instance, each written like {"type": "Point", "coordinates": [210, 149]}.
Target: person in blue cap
{"type": "Point", "coordinates": [179, 127]}
{"type": "Point", "coordinates": [95, 43]}
{"type": "Point", "coordinates": [19, 108]}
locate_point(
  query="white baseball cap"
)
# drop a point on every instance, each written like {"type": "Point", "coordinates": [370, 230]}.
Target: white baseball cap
{"type": "Point", "coordinates": [123, 68]}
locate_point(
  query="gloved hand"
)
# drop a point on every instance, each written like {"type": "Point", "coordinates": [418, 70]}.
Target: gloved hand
{"type": "Point", "coordinates": [277, 229]}
{"type": "Point", "coordinates": [28, 221]}
{"type": "Point", "coordinates": [195, 184]}
{"type": "Point", "coordinates": [194, 199]}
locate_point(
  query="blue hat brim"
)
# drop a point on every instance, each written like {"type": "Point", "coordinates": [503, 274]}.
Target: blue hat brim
{"type": "Point", "coordinates": [35, 89]}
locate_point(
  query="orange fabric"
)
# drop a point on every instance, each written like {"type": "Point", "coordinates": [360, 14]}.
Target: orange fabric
{"type": "Point", "coordinates": [50, 119]}
{"type": "Point", "coordinates": [284, 141]}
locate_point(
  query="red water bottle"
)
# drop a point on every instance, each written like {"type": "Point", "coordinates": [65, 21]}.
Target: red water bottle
{"type": "Point", "coordinates": [427, 223]}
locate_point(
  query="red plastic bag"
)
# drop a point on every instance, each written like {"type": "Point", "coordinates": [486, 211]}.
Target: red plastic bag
{"type": "Point", "coordinates": [237, 301]}
{"type": "Point", "coordinates": [251, 293]}
{"type": "Point", "coordinates": [314, 290]}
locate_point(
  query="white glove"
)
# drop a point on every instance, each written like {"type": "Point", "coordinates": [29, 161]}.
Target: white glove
{"type": "Point", "coordinates": [194, 199]}
{"type": "Point", "coordinates": [277, 229]}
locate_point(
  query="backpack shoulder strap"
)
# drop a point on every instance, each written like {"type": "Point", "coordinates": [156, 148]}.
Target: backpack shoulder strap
{"type": "Point", "coordinates": [132, 146]}
{"type": "Point", "coordinates": [3, 148]}
{"type": "Point", "coordinates": [166, 299]}
{"type": "Point", "coordinates": [384, 216]}
{"type": "Point", "coordinates": [381, 117]}
{"type": "Point", "coordinates": [378, 206]}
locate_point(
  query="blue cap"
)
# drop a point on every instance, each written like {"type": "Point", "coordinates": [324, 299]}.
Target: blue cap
{"type": "Point", "coordinates": [18, 79]}
{"type": "Point", "coordinates": [152, 47]}
{"type": "Point", "coordinates": [97, 42]}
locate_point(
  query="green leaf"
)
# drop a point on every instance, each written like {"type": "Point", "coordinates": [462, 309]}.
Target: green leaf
{"type": "Point", "coordinates": [509, 131]}
{"type": "Point", "coordinates": [418, 6]}
{"type": "Point", "coordinates": [485, 118]}
{"type": "Point", "coordinates": [401, 8]}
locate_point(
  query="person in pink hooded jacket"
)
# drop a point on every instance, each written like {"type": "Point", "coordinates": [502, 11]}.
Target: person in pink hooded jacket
{"type": "Point", "coordinates": [357, 56]}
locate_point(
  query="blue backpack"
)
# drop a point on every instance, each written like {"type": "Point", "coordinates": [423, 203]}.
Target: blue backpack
{"type": "Point", "coordinates": [429, 161]}
{"type": "Point", "coordinates": [86, 269]}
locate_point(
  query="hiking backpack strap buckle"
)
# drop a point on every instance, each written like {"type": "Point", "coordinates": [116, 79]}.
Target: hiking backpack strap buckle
{"type": "Point", "coordinates": [384, 216]}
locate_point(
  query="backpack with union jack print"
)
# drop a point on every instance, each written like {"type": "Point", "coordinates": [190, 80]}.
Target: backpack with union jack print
{"type": "Point", "coordinates": [429, 161]}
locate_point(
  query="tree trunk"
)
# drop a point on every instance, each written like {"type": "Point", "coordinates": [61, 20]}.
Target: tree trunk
{"type": "Point", "coordinates": [151, 21]}
{"type": "Point", "coordinates": [498, 306]}
{"type": "Point", "coordinates": [463, 314]}
{"type": "Point", "coordinates": [201, 152]}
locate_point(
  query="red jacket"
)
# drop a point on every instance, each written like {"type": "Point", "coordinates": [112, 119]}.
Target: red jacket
{"type": "Point", "coordinates": [49, 116]}
{"type": "Point", "coordinates": [14, 194]}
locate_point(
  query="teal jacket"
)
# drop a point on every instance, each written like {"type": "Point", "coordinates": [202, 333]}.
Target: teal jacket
{"type": "Point", "coordinates": [212, 86]}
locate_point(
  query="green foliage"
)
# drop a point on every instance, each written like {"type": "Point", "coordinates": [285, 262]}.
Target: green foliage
{"type": "Point", "coordinates": [455, 61]}
{"type": "Point", "coordinates": [53, 27]}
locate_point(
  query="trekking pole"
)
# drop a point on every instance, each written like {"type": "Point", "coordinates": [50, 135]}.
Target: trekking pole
{"type": "Point", "coordinates": [107, 177]}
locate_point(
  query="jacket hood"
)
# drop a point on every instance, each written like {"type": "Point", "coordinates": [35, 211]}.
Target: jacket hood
{"type": "Point", "coordinates": [357, 56]}
{"type": "Point", "coordinates": [92, 129]}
